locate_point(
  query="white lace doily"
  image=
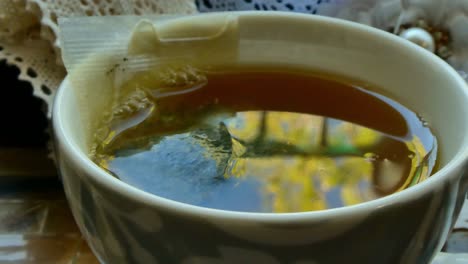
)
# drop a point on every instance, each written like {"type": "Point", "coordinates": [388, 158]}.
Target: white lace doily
{"type": "Point", "coordinates": [28, 30]}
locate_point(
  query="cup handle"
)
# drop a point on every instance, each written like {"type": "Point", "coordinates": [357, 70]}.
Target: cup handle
{"type": "Point", "coordinates": [451, 258]}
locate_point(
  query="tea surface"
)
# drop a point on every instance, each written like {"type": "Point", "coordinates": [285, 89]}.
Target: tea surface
{"type": "Point", "coordinates": [262, 140]}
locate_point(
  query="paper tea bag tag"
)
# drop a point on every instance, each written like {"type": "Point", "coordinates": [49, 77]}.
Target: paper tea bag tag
{"type": "Point", "coordinates": [105, 52]}
{"type": "Point", "coordinates": [200, 41]}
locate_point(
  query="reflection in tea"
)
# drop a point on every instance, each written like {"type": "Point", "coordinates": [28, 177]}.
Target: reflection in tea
{"type": "Point", "coordinates": [262, 139]}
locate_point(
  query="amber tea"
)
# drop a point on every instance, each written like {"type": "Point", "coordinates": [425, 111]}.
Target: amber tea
{"type": "Point", "coordinates": [262, 139]}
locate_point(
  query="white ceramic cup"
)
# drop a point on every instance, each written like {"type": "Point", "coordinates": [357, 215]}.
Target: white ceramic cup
{"type": "Point", "coordinates": [123, 224]}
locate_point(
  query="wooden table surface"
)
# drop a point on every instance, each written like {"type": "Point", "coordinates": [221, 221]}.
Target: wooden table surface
{"type": "Point", "coordinates": [36, 225]}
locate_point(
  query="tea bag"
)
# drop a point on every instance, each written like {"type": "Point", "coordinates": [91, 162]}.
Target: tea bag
{"type": "Point", "coordinates": [162, 52]}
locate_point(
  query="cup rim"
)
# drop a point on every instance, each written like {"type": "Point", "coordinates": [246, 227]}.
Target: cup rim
{"type": "Point", "coordinates": [106, 180]}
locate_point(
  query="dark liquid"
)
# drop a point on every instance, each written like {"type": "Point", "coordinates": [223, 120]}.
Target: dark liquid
{"type": "Point", "coordinates": [263, 140]}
